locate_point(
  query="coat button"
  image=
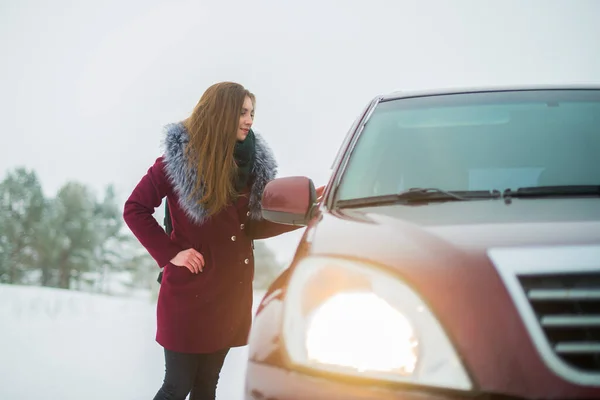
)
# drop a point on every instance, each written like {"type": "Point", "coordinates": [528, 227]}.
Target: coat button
{"type": "Point", "coordinates": [246, 261]}
{"type": "Point", "coordinates": [242, 226]}
{"type": "Point", "coordinates": [233, 238]}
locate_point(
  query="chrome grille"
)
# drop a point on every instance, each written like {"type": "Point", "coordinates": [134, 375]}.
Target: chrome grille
{"type": "Point", "coordinates": [567, 308]}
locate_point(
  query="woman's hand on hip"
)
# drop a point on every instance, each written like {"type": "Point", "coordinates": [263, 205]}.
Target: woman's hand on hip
{"type": "Point", "coordinates": [191, 259]}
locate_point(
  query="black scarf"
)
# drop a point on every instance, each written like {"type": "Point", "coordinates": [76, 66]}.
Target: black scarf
{"type": "Point", "coordinates": [244, 158]}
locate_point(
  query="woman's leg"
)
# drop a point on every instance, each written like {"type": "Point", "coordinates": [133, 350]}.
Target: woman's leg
{"type": "Point", "coordinates": [180, 371]}
{"type": "Point", "coordinates": [207, 375]}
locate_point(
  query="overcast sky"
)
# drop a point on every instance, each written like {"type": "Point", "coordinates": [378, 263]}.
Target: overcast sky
{"type": "Point", "coordinates": [86, 86]}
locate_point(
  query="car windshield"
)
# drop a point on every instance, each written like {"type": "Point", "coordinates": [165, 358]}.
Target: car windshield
{"type": "Point", "coordinates": [477, 141]}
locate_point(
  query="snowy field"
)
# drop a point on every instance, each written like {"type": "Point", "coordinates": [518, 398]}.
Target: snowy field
{"type": "Point", "coordinates": [57, 344]}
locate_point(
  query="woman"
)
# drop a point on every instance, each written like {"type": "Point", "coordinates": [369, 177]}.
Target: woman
{"type": "Point", "coordinates": [213, 172]}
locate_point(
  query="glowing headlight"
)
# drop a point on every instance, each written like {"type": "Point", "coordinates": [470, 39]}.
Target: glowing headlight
{"type": "Point", "coordinates": [348, 318]}
{"type": "Point", "coordinates": [351, 318]}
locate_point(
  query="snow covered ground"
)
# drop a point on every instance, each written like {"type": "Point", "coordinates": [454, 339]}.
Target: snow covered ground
{"type": "Point", "coordinates": [57, 344]}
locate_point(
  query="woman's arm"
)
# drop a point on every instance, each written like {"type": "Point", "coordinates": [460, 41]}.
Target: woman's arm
{"type": "Point", "coordinates": [264, 229]}
{"type": "Point", "coordinates": [138, 210]}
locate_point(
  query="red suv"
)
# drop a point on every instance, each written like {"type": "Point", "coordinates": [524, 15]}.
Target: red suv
{"type": "Point", "coordinates": [455, 255]}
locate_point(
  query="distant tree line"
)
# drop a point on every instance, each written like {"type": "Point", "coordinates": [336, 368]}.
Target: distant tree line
{"type": "Point", "coordinates": [75, 240]}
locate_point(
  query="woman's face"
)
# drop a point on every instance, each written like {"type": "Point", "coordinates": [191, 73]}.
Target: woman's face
{"type": "Point", "coordinates": [246, 119]}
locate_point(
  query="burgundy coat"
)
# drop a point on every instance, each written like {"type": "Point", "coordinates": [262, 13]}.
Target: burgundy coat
{"type": "Point", "coordinates": [211, 310]}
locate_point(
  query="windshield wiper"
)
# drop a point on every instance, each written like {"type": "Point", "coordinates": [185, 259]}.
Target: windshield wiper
{"type": "Point", "coordinates": [421, 195]}
{"type": "Point", "coordinates": [554, 191]}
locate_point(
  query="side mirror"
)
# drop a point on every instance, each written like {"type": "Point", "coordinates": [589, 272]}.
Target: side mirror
{"type": "Point", "coordinates": [289, 200]}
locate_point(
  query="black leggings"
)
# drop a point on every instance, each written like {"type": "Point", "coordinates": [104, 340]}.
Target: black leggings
{"type": "Point", "coordinates": [195, 373]}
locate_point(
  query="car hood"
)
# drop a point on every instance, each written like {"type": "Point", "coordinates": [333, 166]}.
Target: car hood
{"type": "Point", "coordinates": [442, 251]}
{"type": "Point", "coordinates": [493, 223]}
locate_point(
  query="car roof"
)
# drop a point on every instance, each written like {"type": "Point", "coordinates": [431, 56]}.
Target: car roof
{"type": "Point", "coordinates": [433, 92]}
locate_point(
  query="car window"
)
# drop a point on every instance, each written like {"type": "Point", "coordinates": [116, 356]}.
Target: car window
{"type": "Point", "coordinates": [477, 141]}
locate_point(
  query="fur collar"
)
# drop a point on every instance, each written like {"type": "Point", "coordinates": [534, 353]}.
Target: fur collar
{"type": "Point", "coordinates": [183, 178]}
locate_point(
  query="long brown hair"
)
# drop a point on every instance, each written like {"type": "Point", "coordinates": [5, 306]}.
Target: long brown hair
{"type": "Point", "coordinates": [212, 128]}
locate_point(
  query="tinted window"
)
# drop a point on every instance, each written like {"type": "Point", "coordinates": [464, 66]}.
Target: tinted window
{"type": "Point", "coordinates": [494, 140]}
